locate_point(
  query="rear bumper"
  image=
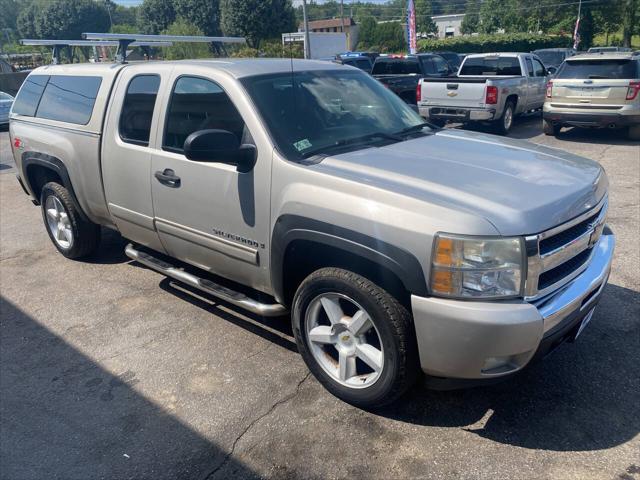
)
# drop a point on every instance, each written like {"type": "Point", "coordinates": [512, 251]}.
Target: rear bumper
{"type": "Point", "coordinates": [456, 114]}
{"type": "Point", "coordinates": [479, 341]}
{"type": "Point", "coordinates": [590, 119]}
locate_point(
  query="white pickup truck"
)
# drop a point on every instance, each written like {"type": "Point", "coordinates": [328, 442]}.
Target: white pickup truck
{"type": "Point", "coordinates": [491, 87]}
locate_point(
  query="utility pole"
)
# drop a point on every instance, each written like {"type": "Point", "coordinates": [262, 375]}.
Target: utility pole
{"type": "Point", "coordinates": [342, 16]}
{"type": "Point", "coordinates": [307, 49]}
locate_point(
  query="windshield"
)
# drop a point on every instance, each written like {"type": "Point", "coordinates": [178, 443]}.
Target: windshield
{"type": "Point", "coordinates": [551, 58]}
{"type": "Point", "coordinates": [328, 111]}
{"type": "Point", "coordinates": [491, 66]}
{"type": "Point", "coordinates": [395, 66]}
{"type": "Point", "coordinates": [594, 69]}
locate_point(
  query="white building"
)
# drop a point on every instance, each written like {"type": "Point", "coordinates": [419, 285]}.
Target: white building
{"type": "Point", "coordinates": [448, 25]}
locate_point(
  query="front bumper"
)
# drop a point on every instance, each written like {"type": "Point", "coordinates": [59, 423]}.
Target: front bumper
{"type": "Point", "coordinates": [456, 114]}
{"type": "Point", "coordinates": [485, 340]}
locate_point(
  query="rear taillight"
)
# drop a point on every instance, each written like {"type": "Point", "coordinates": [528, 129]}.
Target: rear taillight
{"type": "Point", "coordinates": [419, 92]}
{"type": "Point", "coordinates": [549, 89]}
{"type": "Point", "coordinates": [492, 95]}
{"type": "Point", "coordinates": [632, 91]}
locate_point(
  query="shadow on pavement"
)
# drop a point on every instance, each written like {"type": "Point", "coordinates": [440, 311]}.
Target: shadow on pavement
{"type": "Point", "coordinates": [584, 396]}
{"type": "Point", "coordinates": [63, 416]}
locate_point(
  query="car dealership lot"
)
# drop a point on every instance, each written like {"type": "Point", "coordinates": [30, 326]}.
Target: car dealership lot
{"type": "Point", "coordinates": [108, 370]}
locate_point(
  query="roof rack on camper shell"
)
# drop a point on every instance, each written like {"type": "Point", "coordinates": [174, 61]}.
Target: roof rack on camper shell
{"type": "Point", "coordinates": [58, 45]}
{"type": "Point", "coordinates": [126, 39]}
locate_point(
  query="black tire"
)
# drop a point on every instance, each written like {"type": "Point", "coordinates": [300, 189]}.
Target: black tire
{"type": "Point", "coordinates": [391, 320]}
{"type": "Point", "coordinates": [502, 126]}
{"type": "Point", "coordinates": [549, 128]}
{"type": "Point", "coordinates": [634, 132]}
{"type": "Point", "coordinates": [86, 235]}
{"type": "Point", "coordinates": [438, 122]}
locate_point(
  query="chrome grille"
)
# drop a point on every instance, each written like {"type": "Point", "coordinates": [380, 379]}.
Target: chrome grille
{"type": "Point", "coordinates": [558, 255]}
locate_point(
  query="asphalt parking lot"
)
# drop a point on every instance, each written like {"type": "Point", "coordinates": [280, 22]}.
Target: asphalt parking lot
{"type": "Point", "coordinates": [108, 370]}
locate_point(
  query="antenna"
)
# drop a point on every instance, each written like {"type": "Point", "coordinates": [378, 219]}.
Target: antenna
{"type": "Point", "coordinates": [126, 39]}
{"type": "Point", "coordinates": [58, 45]}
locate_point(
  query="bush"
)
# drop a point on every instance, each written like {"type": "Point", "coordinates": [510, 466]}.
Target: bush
{"type": "Point", "coordinates": [513, 42]}
{"type": "Point", "coordinates": [270, 49]}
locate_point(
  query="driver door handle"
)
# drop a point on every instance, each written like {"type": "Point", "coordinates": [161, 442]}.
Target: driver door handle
{"type": "Point", "coordinates": [168, 177]}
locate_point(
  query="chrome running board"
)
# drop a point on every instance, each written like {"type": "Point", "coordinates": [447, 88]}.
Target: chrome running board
{"type": "Point", "coordinates": [223, 293]}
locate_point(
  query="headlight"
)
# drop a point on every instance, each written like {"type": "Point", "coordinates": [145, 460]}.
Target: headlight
{"type": "Point", "coordinates": [472, 267]}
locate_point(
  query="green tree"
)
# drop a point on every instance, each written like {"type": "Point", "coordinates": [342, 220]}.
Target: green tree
{"type": "Point", "coordinates": [9, 8]}
{"type": "Point", "coordinates": [26, 21]}
{"type": "Point", "coordinates": [630, 20]}
{"type": "Point", "coordinates": [390, 37]}
{"type": "Point", "coordinates": [180, 51]}
{"type": "Point", "coordinates": [64, 19]}
{"type": "Point", "coordinates": [257, 20]}
{"type": "Point", "coordinates": [471, 20]}
{"type": "Point", "coordinates": [424, 12]}
{"type": "Point", "coordinates": [155, 16]}
{"type": "Point", "coordinates": [202, 14]}
{"type": "Point", "coordinates": [501, 15]}
{"type": "Point", "coordinates": [367, 31]}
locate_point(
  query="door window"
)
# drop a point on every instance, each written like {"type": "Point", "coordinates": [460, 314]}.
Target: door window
{"type": "Point", "coordinates": [540, 71]}
{"type": "Point", "coordinates": [137, 109]}
{"type": "Point", "coordinates": [529, 66]}
{"type": "Point", "coordinates": [199, 104]}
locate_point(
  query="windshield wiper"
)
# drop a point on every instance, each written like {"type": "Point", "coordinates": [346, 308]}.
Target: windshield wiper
{"type": "Point", "coordinates": [416, 128]}
{"type": "Point", "coordinates": [353, 141]}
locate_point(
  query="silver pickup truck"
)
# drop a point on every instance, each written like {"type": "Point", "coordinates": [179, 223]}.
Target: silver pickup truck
{"type": "Point", "coordinates": [492, 87]}
{"type": "Point", "coordinates": [307, 188]}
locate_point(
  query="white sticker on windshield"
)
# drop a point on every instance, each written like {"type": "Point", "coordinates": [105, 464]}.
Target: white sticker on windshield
{"type": "Point", "coordinates": [302, 144]}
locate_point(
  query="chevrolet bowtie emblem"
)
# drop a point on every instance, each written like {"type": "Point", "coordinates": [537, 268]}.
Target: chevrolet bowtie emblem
{"type": "Point", "coordinates": [451, 93]}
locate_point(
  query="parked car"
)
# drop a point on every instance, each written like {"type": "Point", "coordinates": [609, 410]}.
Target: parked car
{"type": "Point", "coordinates": [6, 101]}
{"type": "Point", "coordinates": [358, 61]}
{"type": "Point", "coordinates": [595, 90]}
{"type": "Point", "coordinates": [371, 55]}
{"type": "Point", "coordinates": [401, 73]}
{"type": "Point", "coordinates": [609, 49]}
{"type": "Point", "coordinates": [492, 87]}
{"type": "Point", "coordinates": [552, 58]}
{"type": "Point", "coordinates": [309, 188]}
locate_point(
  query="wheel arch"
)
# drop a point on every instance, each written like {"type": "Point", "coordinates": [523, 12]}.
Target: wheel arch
{"type": "Point", "coordinates": [39, 169]}
{"type": "Point", "coordinates": [301, 245]}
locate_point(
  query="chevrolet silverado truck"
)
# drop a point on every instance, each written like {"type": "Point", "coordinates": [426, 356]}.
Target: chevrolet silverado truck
{"type": "Point", "coordinates": [306, 188]}
{"type": "Point", "coordinates": [401, 73]}
{"type": "Point", "coordinates": [491, 87]}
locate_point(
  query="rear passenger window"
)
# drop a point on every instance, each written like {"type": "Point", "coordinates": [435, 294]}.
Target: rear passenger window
{"type": "Point", "coordinates": [137, 109]}
{"type": "Point", "coordinates": [27, 101]}
{"type": "Point", "coordinates": [69, 99]}
{"type": "Point", "coordinates": [529, 66]}
{"type": "Point", "coordinates": [199, 104]}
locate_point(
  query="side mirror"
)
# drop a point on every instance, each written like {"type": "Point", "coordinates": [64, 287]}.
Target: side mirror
{"type": "Point", "coordinates": [551, 70]}
{"type": "Point", "coordinates": [219, 146]}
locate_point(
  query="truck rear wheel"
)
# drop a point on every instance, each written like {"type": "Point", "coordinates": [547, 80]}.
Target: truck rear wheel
{"type": "Point", "coordinates": [505, 122]}
{"type": "Point", "coordinates": [71, 235]}
{"type": "Point", "coordinates": [356, 338]}
{"type": "Point", "coordinates": [548, 128]}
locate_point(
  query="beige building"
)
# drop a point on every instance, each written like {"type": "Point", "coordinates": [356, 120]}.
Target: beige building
{"type": "Point", "coordinates": [448, 25]}
{"type": "Point", "coordinates": [336, 25]}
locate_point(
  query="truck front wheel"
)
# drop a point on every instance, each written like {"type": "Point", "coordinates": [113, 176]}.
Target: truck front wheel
{"type": "Point", "coordinates": [356, 338]}
{"type": "Point", "coordinates": [71, 235]}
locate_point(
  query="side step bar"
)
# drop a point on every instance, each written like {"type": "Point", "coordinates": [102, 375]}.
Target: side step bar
{"type": "Point", "coordinates": [231, 296]}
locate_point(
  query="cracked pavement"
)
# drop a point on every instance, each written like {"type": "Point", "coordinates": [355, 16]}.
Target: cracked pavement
{"type": "Point", "coordinates": [108, 370]}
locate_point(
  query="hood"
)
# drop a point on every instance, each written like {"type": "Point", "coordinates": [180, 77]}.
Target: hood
{"type": "Point", "coordinates": [519, 187]}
